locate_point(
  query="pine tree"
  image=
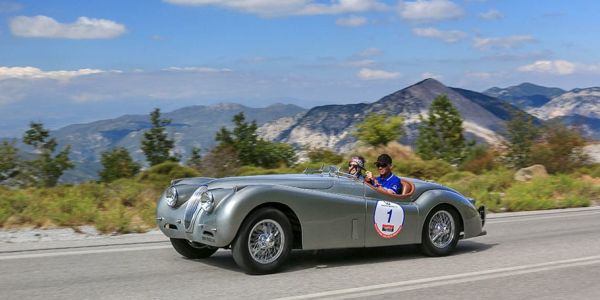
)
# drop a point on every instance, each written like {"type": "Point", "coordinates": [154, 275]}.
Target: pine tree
{"type": "Point", "coordinates": [117, 163]}
{"type": "Point", "coordinates": [47, 168]}
{"type": "Point", "coordinates": [379, 129]}
{"type": "Point", "coordinates": [156, 145]}
{"type": "Point", "coordinates": [9, 162]}
{"type": "Point", "coordinates": [252, 150]}
{"type": "Point", "coordinates": [521, 134]}
{"type": "Point", "coordinates": [441, 134]}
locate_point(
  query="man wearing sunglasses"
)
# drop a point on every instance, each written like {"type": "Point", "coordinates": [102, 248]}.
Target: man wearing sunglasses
{"type": "Point", "coordinates": [386, 181]}
{"type": "Point", "coordinates": [355, 167]}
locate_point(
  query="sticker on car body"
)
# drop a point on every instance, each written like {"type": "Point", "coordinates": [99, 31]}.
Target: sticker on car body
{"type": "Point", "coordinates": [388, 219]}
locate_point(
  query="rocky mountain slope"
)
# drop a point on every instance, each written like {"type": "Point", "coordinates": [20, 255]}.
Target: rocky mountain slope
{"type": "Point", "coordinates": [525, 95]}
{"type": "Point", "coordinates": [582, 102]}
{"type": "Point", "coordinates": [331, 125]}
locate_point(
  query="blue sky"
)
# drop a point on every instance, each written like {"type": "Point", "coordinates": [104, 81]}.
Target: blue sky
{"type": "Point", "coordinates": [64, 62]}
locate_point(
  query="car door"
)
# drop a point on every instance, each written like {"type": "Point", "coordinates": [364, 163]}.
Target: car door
{"type": "Point", "coordinates": [389, 220]}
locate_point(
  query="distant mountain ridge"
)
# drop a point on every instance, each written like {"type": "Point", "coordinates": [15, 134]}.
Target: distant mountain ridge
{"type": "Point", "coordinates": [578, 108]}
{"type": "Point", "coordinates": [328, 126]}
{"type": "Point", "coordinates": [331, 126]}
{"type": "Point", "coordinates": [525, 95]}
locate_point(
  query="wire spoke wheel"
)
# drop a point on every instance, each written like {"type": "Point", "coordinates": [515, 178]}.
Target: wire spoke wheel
{"type": "Point", "coordinates": [441, 229]}
{"type": "Point", "coordinates": [266, 241]}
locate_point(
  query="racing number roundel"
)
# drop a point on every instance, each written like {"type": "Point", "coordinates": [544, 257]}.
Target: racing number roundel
{"type": "Point", "coordinates": [388, 219]}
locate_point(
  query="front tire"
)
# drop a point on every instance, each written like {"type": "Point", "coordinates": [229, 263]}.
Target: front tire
{"type": "Point", "coordinates": [440, 232]}
{"type": "Point", "coordinates": [192, 250]}
{"type": "Point", "coordinates": [264, 242]}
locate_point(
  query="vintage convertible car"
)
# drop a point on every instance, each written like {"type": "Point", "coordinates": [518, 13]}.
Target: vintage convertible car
{"type": "Point", "coordinates": [262, 218]}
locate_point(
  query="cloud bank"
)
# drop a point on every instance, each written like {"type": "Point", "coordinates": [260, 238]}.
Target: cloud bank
{"type": "Point", "coordinates": [82, 28]}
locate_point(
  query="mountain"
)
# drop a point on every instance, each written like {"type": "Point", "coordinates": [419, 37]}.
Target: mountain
{"type": "Point", "coordinates": [331, 125]}
{"type": "Point", "coordinates": [582, 102]}
{"type": "Point", "coordinates": [525, 95]}
{"type": "Point", "coordinates": [579, 108]}
{"type": "Point", "coordinates": [193, 126]}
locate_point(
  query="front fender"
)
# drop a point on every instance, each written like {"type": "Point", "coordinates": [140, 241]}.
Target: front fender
{"type": "Point", "coordinates": [469, 215]}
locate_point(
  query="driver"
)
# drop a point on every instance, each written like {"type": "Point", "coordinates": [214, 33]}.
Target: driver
{"type": "Point", "coordinates": [355, 167]}
{"type": "Point", "coordinates": [386, 181]}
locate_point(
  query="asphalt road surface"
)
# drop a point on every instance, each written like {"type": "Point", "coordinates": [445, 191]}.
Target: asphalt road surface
{"type": "Point", "coordinates": [539, 255]}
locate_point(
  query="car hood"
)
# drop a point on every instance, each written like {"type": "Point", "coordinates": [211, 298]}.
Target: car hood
{"type": "Point", "coordinates": [305, 181]}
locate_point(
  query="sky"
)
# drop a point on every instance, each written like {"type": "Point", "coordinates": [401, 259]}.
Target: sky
{"type": "Point", "coordinates": [65, 62]}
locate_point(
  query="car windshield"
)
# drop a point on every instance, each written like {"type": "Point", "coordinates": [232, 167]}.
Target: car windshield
{"type": "Point", "coordinates": [330, 170]}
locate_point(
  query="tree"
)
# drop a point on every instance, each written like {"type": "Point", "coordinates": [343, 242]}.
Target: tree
{"type": "Point", "coordinates": [9, 162]}
{"type": "Point", "coordinates": [250, 149]}
{"type": "Point", "coordinates": [220, 162]}
{"type": "Point", "coordinates": [441, 134]}
{"type": "Point", "coordinates": [379, 129]}
{"type": "Point", "coordinates": [46, 169]}
{"type": "Point", "coordinates": [195, 160]}
{"type": "Point", "coordinates": [560, 149]}
{"type": "Point", "coordinates": [521, 134]}
{"type": "Point", "coordinates": [117, 163]}
{"type": "Point", "coordinates": [156, 145]}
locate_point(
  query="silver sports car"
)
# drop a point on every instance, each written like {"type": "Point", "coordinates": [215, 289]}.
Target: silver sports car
{"type": "Point", "coordinates": [262, 218]}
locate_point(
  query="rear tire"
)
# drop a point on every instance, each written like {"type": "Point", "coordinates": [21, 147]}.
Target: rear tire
{"type": "Point", "coordinates": [440, 231]}
{"type": "Point", "coordinates": [264, 242]}
{"type": "Point", "coordinates": [192, 250]}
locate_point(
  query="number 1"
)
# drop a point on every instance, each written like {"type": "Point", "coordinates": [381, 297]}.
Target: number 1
{"type": "Point", "coordinates": [390, 215]}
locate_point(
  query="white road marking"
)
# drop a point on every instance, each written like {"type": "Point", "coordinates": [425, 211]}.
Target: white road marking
{"type": "Point", "coordinates": [395, 287]}
{"type": "Point", "coordinates": [95, 251]}
{"type": "Point", "coordinates": [533, 218]}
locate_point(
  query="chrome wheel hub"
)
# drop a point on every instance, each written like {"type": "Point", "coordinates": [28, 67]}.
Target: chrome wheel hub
{"type": "Point", "coordinates": [266, 241]}
{"type": "Point", "coordinates": [441, 229]}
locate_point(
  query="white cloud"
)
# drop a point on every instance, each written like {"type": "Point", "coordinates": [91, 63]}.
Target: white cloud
{"type": "Point", "coordinates": [83, 28]}
{"type": "Point", "coordinates": [555, 67]}
{"type": "Point", "coordinates": [450, 36]}
{"type": "Point", "coordinates": [371, 74]}
{"type": "Point", "coordinates": [271, 8]}
{"type": "Point", "coordinates": [36, 73]}
{"type": "Point", "coordinates": [491, 15]}
{"type": "Point", "coordinates": [197, 69]}
{"type": "Point", "coordinates": [352, 21]}
{"type": "Point", "coordinates": [502, 42]}
{"type": "Point", "coordinates": [429, 10]}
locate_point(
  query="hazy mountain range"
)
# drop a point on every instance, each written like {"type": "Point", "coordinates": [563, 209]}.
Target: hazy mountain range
{"type": "Point", "coordinates": [578, 107]}
{"type": "Point", "coordinates": [331, 125]}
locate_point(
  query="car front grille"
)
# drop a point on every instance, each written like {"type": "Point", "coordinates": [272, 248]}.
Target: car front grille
{"type": "Point", "coordinates": [190, 211]}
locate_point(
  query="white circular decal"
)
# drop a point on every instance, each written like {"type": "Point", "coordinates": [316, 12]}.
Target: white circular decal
{"type": "Point", "coordinates": [388, 219]}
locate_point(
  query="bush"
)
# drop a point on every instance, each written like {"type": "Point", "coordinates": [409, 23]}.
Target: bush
{"type": "Point", "coordinates": [324, 155]}
{"type": "Point", "coordinates": [559, 191]}
{"type": "Point", "coordinates": [423, 169]}
{"type": "Point", "coordinates": [162, 174]}
{"type": "Point", "coordinates": [478, 160]}
{"type": "Point", "coordinates": [487, 188]}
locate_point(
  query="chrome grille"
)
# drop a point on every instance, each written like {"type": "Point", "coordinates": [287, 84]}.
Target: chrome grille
{"type": "Point", "coordinates": [190, 211]}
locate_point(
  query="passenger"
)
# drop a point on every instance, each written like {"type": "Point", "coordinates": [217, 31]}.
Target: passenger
{"type": "Point", "coordinates": [386, 181]}
{"type": "Point", "coordinates": [355, 167]}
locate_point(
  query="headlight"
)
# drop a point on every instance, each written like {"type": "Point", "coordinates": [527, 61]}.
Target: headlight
{"type": "Point", "coordinates": [171, 196]}
{"type": "Point", "coordinates": [207, 201]}
{"type": "Point", "coordinates": [205, 197]}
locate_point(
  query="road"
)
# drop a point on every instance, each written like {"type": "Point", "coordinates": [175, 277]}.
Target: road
{"type": "Point", "coordinates": [539, 255]}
